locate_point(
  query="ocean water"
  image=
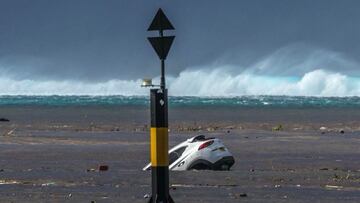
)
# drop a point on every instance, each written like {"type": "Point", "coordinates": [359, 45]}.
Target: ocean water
{"type": "Point", "coordinates": [239, 101]}
{"type": "Point", "coordinates": [218, 82]}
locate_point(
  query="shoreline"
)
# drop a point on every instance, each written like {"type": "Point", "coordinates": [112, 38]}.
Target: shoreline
{"type": "Point", "coordinates": [181, 119]}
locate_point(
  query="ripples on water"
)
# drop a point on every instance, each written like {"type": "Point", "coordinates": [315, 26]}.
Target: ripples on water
{"type": "Point", "coordinates": [242, 101]}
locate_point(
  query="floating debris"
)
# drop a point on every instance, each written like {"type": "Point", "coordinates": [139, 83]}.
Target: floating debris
{"type": "Point", "coordinates": [10, 132]}
{"type": "Point", "coordinates": [277, 128]}
{"type": "Point", "coordinates": [238, 195]}
{"type": "Point", "coordinates": [333, 186]}
{"type": "Point", "coordinates": [9, 182]}
{"type": "Point", "coordinates": [103, 167]}
{"type": "Point", "coordinates": [48, 184]}
{"type": "Point", "coordinates": [210, 129]}
{"type": "Point", "coordinates": [322, 128]}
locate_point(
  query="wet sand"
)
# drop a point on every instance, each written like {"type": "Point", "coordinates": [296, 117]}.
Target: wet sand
{"type": "Point", "coordinates": [47, 154]}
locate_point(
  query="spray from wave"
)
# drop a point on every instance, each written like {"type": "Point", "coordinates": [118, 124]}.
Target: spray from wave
{"type": "Point", "coordinates": [216, 82]}
{"type": "Point", "coordinates": [292, 71]}
{"type": "Point", "coordinates": [219, 83]}
{"type": "Point", "coordinates": [32, 87]}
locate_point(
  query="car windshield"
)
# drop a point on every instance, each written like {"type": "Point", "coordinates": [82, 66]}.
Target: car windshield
{"type": "Point", "coordinates": [173, 156]}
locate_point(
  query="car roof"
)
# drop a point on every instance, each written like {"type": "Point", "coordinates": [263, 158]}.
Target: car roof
{"type": "Point", "coordinates": [199, 138]}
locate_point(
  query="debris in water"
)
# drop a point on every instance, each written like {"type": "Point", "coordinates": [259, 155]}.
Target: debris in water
{"type": "Point", "coordinates": [9, 133]}
{"type": "Point", "coordinates": [322, 128]}
{"type": "Point", "coordinates": [48, 184]}
{"type": "Point", "coordinates": [210, 129]}
{"type": "Point", "coordinates": [237, 196]}
{"type": "Point", "coordinates": [103, 167]}
{"type": "Point", "coordinates": [277, 128]}
{"type": "Point", "coordinates": [333, 186]}
{"type": "Point", "coordinates": [8, 182]}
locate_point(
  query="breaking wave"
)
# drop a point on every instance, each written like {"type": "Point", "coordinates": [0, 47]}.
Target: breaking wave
{"type": "Point", "coordinates": [203, 82]}
{"type": "Point", "coordinates": [220, 83]}
{"type": "Point", "coordinates": [294, 70]}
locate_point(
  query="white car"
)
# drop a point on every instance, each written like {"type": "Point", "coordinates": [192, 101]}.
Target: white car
{"type": "Point", "coordinates": [199, 153]}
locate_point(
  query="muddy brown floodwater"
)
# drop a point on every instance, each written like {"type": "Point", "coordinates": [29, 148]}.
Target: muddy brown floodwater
{"type": "Point", "coordinates": [49, 158]}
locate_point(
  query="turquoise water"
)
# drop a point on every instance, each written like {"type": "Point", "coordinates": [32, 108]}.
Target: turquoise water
{"type": "Point", "coordinates": [243, 101]}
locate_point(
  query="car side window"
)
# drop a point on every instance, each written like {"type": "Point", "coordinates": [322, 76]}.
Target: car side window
{"type": "Point", "coordinates": [173, 156]}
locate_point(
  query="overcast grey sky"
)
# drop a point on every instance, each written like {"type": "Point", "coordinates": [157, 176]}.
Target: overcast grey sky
{"type": "Point", "coordinates": [106, 39]}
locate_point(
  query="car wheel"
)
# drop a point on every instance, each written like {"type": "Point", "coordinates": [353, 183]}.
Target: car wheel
{"type": "Point", "coordinates": [201, 165]}
{"type": "Point", "coordinates": [225, 167]}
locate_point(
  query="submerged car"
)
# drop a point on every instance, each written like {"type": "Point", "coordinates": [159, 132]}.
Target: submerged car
{"type": "Point", "coordinates": [199, 153]}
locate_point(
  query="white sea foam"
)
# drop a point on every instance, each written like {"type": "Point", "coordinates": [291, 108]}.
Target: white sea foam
{"type": "Point", "coordinates": [32, 87]}
{"type": "Point", "coordinates": [295, 70]}
{"type": "Point", "coordinates": [215, 82]}
{"type": "Point", "coordinates": [219, 83]}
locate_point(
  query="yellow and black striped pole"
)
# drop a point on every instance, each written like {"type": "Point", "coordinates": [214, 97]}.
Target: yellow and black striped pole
{"type": "Point", "coordinates": [159, 137]}
{"type": "Point", "coordinates": [159, 147]}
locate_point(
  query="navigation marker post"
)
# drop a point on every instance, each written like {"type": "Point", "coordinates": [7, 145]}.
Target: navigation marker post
{"type": "Point", "coordinates": [159, 138]}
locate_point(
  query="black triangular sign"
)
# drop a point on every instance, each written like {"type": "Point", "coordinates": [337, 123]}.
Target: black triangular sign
{"type": "Point", "coordinates": [161, 45]}
{"type": "Point", "coordinates": [160, 22]}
